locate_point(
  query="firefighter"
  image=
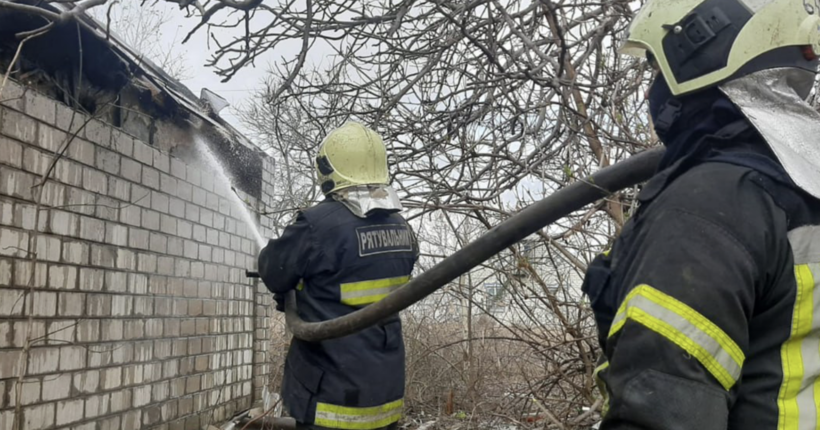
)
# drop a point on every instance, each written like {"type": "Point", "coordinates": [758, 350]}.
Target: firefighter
{"type": "Point", "coordinates": [348, 251]}
{"type": "Point", "coordinates": [708, 303]}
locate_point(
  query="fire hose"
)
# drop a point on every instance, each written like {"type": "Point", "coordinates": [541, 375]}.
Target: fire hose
{"type": "Point", "coordinates": [563, 202]}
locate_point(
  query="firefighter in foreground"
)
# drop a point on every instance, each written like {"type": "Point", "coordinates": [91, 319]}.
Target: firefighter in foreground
{"type": "Point", "coordinates": [349, 251]}
{"type": "Point", "coordinates": [708, 304]}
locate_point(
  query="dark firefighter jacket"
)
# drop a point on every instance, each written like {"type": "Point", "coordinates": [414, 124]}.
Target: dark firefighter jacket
{"type": "Point", "coordinates": [707, 305]}
{"type": "Point", "coordinates": [338, 263]}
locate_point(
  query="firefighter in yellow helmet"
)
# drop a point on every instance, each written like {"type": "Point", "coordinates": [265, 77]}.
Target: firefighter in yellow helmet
{"type": "Point", "coordinates": [708, 304]}
{"type": "Point", "coordinates": [349, 251]}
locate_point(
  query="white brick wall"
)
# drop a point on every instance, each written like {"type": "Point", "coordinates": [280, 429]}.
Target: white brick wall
{"type": "Point", "coordinates": [138, 296]}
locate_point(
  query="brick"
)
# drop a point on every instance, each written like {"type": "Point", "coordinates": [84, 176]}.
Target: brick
{"type": "Point", "coordinates": [44, 303]}
{"type": "Point", "coordinates": [75, 252]}
{"type": "Point", "coordinates": [43, 360]}
{"type": "Point", "coordinates": [159, 202]}
{"type": "Point", "coordinates": [168, 224]}
{"type": "Point", "coordinates": [200, 233]}
{"type": "Point", "coordinates": [63, 223]}
{"type": "Point", "coordinates": [98, 132]}
{"type": "Point", "coordinates": [116, 282]}
{"type": "Point", "coordinates": [131, 170]}
{"type": "Point", "coordinates": [71, 304]}
{"type": "Point", "coordinates": [137, 283]}
{"type": "Point", "coordinates": [91, 279]}
{"type": "Point", "coordinates": [62, 277]}
{"type": "Point", "coordinates": [56, 387]}
{"type": "Point", "coordinates": [108, 161]}
{"type": "Point", "coordinates": [61, 332]}
{"type": "Point", "coordinates": [30, 392]}
{"type": "Point", "coordinates": [116, 234]}
{"type": "Point", "coordinates": [107, 208]}
{"type": "Point", "coordinates": [50, 138]}
{"type": "Point", "coordinates": [24, 277]}
{"type": "Point", "coordinates": [80, 201]}
{"type": "Point", "coordinates": [147, 263]}
{"type": "Point", "coordinates": [92, 229]}
{"type": "Point", "coordinates": [120, 401]}
{"type": "Point", "coordinates": [48, 248]}
{"type": "Point", "coordinates": [122, 143]}
{"type": "Point", "coordinates": [126, 260]}
{"type": "Point", "coordinates": [119, 189]}
{"type": "Point", "coordinates": [87, 382]}
{"type": "Point", "coordinates": [94, 181]}
{"type": "Point", "coordinates": [112, 379]}
{"type": "Point", "coordinates": [112, 330]}
{"type": "Point", "coordinates": [168, 184]}
{"type": "Point", "coordinates": [158, 243]}
{"type": "Point", "coordinates": [38, 417]}
{"type": "Point", "coordinates": [53, 194]}
{"type": "Point", "coordinates": [200, 197]}
{"type": "Point", "coordinates": [197, 270]}
{"type": "Point", "coordinates": [219, 222]}
{"type": "Point", "coordinates": [165, 266]}
{"type": "Point", "coordinates": [12, 152]}
{"type": "Point", "coordinates": [72, 357]}
{"type": "Point", "coordinates": [142, 396]}
{"type": "Point", "coordinates": [13, 96]}
{"type": "Point", "coordinates": [96, 406]}
{"type": "Point", "coordinates": [35, 161]}
{"type": "Point", "coordinates": [69, 411]}
{"type": "Point", "coordinates": [140, 196]}
{"type": "Point", "coordinates": [82, 151]}
{"type": "Point", "coordinates": [143, 306]}
{"type": "Point", "coordinates": [121, 305]}
{"type": "Point", "coordinates": [18, 126]}
{"type": "Point", "coordinates": [178, 168]}
{"type": "Point", "coordinates": [15, 183]}
{"type": "Point", "coordinates": [112, 423]}
{"type": "Point", "coordinates": [69, 172]}
{"type": "Point", "coordinates": [150, 178]}
{"type": "Point", "coordinates": [153, 327]}
{"type": "Point", "coordinates": [103, 256]}
{"type": "Point", "coordinates": [131, 215]}
{"type": "Point", "coordinates": [175, 246]}
{"type": "Point", "coordinates": [151, 415]}
{"type": "Point", "coordinates": [213, 237]}
{"type": "Point", "coordinates": [143, 153]}
{"type": "Point", "coordinates": [192, 212]}
{"type": "Point", "coordinates": [212, 201]}
{"type": "Point", "coordinates": [185, 191]}
{"type": "Point", "coordinates": [184, 229]}
{"type": "Point", "coordinates": [131, 420]}
{"type": "Point", "coordinates": [193, 176]}
{"type": "Point", "coordinates": [5, 272]}
{"type": "Point", "coordinates": [98, 305]}
{"type": "Point", "coordinates": [183, 268]}
{"type": "Point", "coordinates": [88, 331]}
{"type": "Point", "coordinates": [138, 238]}
{"type": "Point", "coordinates": [123, 354]}
{"type": "Point", "coordinates": [162, 161]}
{"type": "Point", "coordinates": [41, 107]}
{"type": "Point", "coordinates": [150, 219]}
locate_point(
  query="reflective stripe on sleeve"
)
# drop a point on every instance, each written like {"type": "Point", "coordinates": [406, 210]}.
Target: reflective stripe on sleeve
{"type": "Point", "coordinates": [684, 327]}
{"type": "Point", "coordinates": [602, 387]}
{"type": "Point", "coordinates": [367, 292]}
{"type": "Point", "coordinates": [344, 417]}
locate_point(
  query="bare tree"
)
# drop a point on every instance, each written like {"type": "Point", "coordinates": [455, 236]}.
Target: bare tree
{"type": "Point", "coordinates": [145, 29]}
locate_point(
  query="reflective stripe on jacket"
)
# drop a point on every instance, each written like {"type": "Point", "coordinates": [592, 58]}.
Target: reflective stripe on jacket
{"type": "Point", "coordinates": [340, 263]}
